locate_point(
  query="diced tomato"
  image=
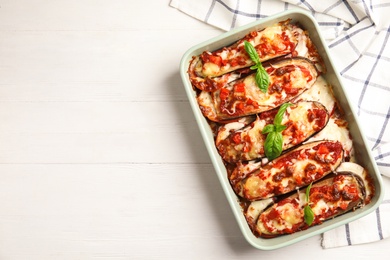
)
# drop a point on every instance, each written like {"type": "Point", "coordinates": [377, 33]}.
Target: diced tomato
{"type": "Point", "coordinates": [273, 214]}
{"type": "Point", "coordinates": [250, 102]}
{"type": "Point", "coordinates": [240, 106]}
{"type": "Point", "coordinates": [306, 73]}
{"type": "Point", "coordinates": [216, 60]}
{"type": "Point", "coordinates": [234, 62]}
{"type": "Point", "coordinates": [236, 138]}
{"type": "Point", "coordinates": [241, 61]}
{"type": "Point", "coordinates": [239, 87]}
{"type": "Point", "coordinates": [224, 93]}
{"type": "Point", "coordinates": [323, 149]}
{"type": "Point", "coordinates": [270, 69]}
{"type": "Point", "coordinates": [344, 205]}
{"type": "Point", "coordinates": [351, 192]}
{"type": "Point", "coordinates": [285, 37]}
{"type": "Point", "coordinates": [289, 89]}
{"type": "Point", "coordinates": [261, 49]}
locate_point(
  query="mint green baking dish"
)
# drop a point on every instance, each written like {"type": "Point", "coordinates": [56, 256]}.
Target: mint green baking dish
{"type": "Point", "coordinates": [362, 151]}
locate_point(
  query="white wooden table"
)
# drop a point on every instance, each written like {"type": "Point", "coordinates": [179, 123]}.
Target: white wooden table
{"type": "Point", "coordinates": [100, 157]}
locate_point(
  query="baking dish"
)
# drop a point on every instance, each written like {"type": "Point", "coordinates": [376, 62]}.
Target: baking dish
{"type": "Point", "coordinates": [362, 152]}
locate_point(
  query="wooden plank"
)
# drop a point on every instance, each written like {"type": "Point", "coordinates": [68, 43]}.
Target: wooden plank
{"type": "Point", "coordinates": [107, 210]}
{"type": "Point", "coordinates": [76, 97]}
{"type": "Point", "coordinates": [84, 15]}
{"type": "Point", "coordinates": [99, 132]}
{"type": "Point", "coordinates": [89, 66]}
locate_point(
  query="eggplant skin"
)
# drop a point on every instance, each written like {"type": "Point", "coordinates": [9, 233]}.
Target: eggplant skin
{"type": "Point", "coordinates": [328, 198]}
{"type": "Point", "coordinates": [302, 120]}
{"type": "Point", "coordinates": [292, 170]}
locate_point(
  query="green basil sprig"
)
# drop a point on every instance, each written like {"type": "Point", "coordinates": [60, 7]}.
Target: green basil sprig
{"type": "Point", "coordinates": [274, 141]}
{"type": "Point", "coordinates": [308, 212]}
{"type": "Point", "coordinates": [261, 77]}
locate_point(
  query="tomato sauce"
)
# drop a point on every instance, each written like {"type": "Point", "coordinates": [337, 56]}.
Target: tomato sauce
{"type": "Point", "coordinates": [338, 195]}
{"type": "Point", "coordinates": [297, 176]}
{"type": "Point", "coordinates": [318, 115]}
{"type": "Point", "coordinates": [236, 102]}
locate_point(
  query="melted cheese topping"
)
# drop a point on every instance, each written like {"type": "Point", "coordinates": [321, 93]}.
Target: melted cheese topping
{"type": "Point", "coordinates": [210, 68]}
{"type": "Point", "coordinates": [321, 91]}
{"type": "Point", "coordinates": [270, 33]}
{"type": "Point", "coordinates": [298, 168]}
{"type": "Point", "coordinates": [248, 143]}
{"type": "Point", "coordinates": [275, 41]}
{"type": "Point", "coordinates": [301, 47]}
{"type": "Point", "coordinates": [227, 129]}
{"type": "Point", "coordinates": [333, 131]}
{"type": "Point", "coordinates": [297, 114]}
{"type": "Point", "coordinates": [243, 97]}
{"type": "Point", "coordinates": [297, 79]}
{"type": "Point", "coordinates": [256, 208]}
{"type": "Point", "coordinates": [253, 92]}
{"type": "Point", "coordinates": [320, 207]}
{"type": "Point", "coordinates": [287, 215]}
{"type": "Point", "coordinates": [206, 104]}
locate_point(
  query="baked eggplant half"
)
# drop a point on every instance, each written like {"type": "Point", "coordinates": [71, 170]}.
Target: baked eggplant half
{"type": "Point", "coordinates": [292, 170]}
{"type": "Point", "coordinates": [271, 42]}
{"type": "Point", "coordinates": [328, 198]}
{"type": "Point", "coordinates": [288, 79]}
{"type": "Point", "coordinates": [210, 71]}
{"type": "Point", "coordinates": [302, 120]}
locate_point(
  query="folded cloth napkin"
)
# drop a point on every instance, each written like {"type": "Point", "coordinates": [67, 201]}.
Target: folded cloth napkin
{"type": "Point", "coordinates": [357, 33]}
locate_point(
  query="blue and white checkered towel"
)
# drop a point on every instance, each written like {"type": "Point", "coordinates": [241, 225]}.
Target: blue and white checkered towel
{"type": "Point", "coordinates": [357, 32]}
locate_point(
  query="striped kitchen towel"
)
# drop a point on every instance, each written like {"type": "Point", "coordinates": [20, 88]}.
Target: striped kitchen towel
{"type": "Point", "coordinates": [357, 33]}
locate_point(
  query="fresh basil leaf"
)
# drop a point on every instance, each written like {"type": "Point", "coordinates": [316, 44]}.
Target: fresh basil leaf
{"type": "Point", "coordinates": [262, 79]}
{"type": "Point", "coordinates": [308, 192]}
{"type": "Point", "coordinates": [307, 211]}
{"type": "Point", "coordinates": [280, 128]}
{"type": "Point", "coordinates": [308, 215]}
{"type": "Point", "coordinates": [251, 52]}
{"type": "Point", "coordinates": [268, 129]}
{"type": "Point", "coordinates": [273, 145]}
{"type": "Point", "coordinates": [279, 116]}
